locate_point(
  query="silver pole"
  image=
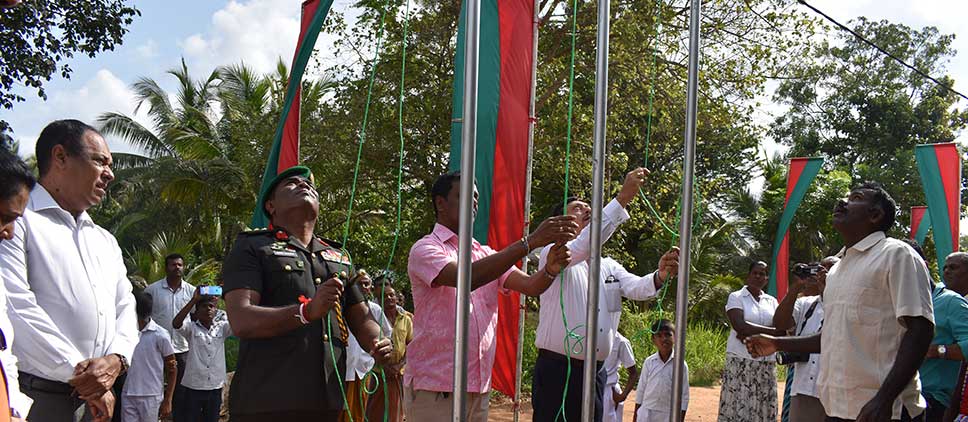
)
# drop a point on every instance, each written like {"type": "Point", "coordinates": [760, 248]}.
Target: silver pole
{"type": "Point", "coordinates": [466, 231]}
{"type": "Point", "coordinates": [527, 210]}
{"type": "Point", "coordinates": [598, 186]}
{"type": "Point", "coordinates": [685, 222]}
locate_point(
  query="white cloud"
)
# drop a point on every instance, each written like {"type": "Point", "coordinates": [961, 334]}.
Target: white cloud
{"type": "Point", "coordinates": [257, 32]}
{"type": "Point", "coordinates": [103, 93]}
{"type": "Point", "coordinates": [148, 50]}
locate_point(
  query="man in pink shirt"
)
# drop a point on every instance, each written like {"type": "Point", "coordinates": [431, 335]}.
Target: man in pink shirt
{"type": "Point", "coordinates": [432, 266]}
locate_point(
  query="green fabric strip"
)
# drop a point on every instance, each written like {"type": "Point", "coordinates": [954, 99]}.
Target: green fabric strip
{"type": "Point", "coordinates": [488, 100]}
{"type": "Point", "coordinates": [923, 228]}
{"type": "Point", "coordinates": [937, 203]}
{"type": "Point", "coordinates": [810, 170]}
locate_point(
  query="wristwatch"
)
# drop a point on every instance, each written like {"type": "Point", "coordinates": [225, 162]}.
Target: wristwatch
{"type": "Point", "coordinates": [942, 350]}
{"type": "Point", "coordinates": [124, 362]}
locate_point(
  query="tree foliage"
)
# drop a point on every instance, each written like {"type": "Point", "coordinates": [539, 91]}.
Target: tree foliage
{"type": "Point", "coordinates": [39, 36]}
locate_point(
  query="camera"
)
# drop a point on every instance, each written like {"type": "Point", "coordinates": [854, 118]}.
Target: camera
{"type": "Point", "coordinates": [805, 271]}
{"type": "Point", "coordinates": [789, 358]}
{"type": "Point", "coordinates": [211, 290]}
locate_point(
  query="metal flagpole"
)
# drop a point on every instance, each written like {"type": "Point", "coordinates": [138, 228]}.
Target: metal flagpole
{"type": "Point", "coordinates": [685, 222]}
{"type": "Point", "coordinates": [527, 210]}
{"type": "Point", "coordinates": [598, 182]}
{"type": "Point", "coordinates": [466, 231]}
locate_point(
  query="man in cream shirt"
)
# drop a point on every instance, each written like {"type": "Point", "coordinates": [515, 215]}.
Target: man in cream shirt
{"type": "Point", "coordinates": [878, 318]}
{"type": "Point", "coordinates": [69, 299]}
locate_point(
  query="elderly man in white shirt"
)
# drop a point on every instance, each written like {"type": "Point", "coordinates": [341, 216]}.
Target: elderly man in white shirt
{"type": "Point", "coordinates": [878, 318]}
{"type": "Point", "coordinates": [69, 298]}
{"type": "Point", "coordinates": [569, 291]}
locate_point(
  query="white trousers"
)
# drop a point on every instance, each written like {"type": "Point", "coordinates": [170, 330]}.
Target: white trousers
{"type": "Point", "coordinates": [613, 412]}
{"type": "Point", "coordinates": [140, 408]}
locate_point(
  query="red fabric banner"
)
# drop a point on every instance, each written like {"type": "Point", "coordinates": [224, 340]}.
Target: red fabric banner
{"type": "Point", "coordinates": [510, 171]}
{"type": "Point", "coordinates": [289, 151]}
{"type": "Point", "coordinates": [917, 216]}
{"type": "Point", "coordinates": [949, 165]}
{"type": "Point", "coordinates": [783, 258]}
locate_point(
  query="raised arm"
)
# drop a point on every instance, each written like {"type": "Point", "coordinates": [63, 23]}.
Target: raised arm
{"type": "Point", "coordinates": [485, 270]}
{"type": "Point", "coordinates": [613, 215]}
{"type": "Point", "coordinates": [179, 319]}
{"type": "Point", "coordinates": [783, 317]}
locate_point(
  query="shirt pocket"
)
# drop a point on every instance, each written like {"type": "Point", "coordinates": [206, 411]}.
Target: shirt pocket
{"type": "Point", "coordinates": [613, 297]}
{"type": "Point", "coordinates": [868, 308]}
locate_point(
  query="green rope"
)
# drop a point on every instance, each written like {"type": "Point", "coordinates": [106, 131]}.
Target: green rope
{"type": "Point", "coordinates": [570, 334]}
{"type": "Point", "coordinates": [366, 115]}
{"type": "Point", "coordinates": [655, 54]}
{"type": "Point", "coordinates": [403, 75]}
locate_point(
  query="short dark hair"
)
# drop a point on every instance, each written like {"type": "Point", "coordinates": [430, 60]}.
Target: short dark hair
{"type": "Point", "coordinates": [69, 133]}
{"type": "Point", "coordinates": [172, 257]}
{"type": "Point", "coordinates": [442, 187]}
{"type": "Point", "coordinates": [663, 325]}
{"type": "Point", "coordinates": [756, 263]}
{"type": "Point", "coordinates": [142, 304]}
{"type": "Point", "coordinates": [14, 175]}
{"type": "Point", "coordinates": [884, 202]}
{"type": "Point", "coordinates": [557, 209]}
{"type": "Point", "coordinates": [202, 299]}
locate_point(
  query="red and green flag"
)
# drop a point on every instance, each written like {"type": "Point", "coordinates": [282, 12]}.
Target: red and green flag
{"type": "Point", "coordinates": [940, 168]}
{"type": "Point", "coordinates": [503, 103]}
{"type": "Point", "coordinates": [920, 223]}
{"type": "Point", "coordinates": [800, 176]}
{"type": "Point", "coordinates": [285, 143]}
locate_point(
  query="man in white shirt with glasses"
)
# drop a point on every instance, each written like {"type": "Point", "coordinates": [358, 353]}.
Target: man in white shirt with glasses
{"type": "Point", "coordinates": [69, 299]}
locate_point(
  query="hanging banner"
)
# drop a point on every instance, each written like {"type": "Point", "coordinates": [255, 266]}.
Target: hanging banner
{"type": "Point", "coordinates": [920, 223]}
{"type": "Point", "coordinates": [504, 98]}
{"type": "Point", "coordinates": [800, 176]}
{"type": "Point", "coordinates": [940, 168]}
{"type": "Point", "coordinates": [285, 143]}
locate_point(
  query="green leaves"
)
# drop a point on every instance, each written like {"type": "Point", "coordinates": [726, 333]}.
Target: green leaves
{"type": "Point", "coordinates": [38, 36]}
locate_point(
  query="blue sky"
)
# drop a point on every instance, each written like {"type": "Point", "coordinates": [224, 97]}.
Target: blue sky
{"type": "Point", "coordinates": [209, 33]}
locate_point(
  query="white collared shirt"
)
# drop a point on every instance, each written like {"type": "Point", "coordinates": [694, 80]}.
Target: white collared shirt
{"type": "Point", "coordinates": [165, 305]}
{"type": "Point", "coordinates": [69, 296]}
{"type": "Point", "coordinates": [145, 377]}
{"type": "Point", "coordinates": [877, 281]}
{"type": "Point", "coordinates": [755, 311]}
{"type": "Point", "coordinates": [805, 373]}
{"type": "Point", "coordinates": [359, 361]}
{"type": "Point", "coordinates": [654, 391]}
{"type": "Point", "coordinates": [621, 355]}
{"type": "Point", "coordinates": [205, 361]}
{"type": "Point", "coordinates": [620, 283]}
{"type": "Point", "coordinates": [19, 402]}
{"type": "Point", "coordinates": [551, 329]}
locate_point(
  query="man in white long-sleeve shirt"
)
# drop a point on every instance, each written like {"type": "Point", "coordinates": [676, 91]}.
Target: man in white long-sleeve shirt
{"type": "Point", "coordinates": [69, 299]}
{"type": "Point", "coordinates": [560, 346]}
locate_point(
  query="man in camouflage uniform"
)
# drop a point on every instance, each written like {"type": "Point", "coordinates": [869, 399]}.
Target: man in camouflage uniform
{"type": "Point", "coordinates": [287, 302]}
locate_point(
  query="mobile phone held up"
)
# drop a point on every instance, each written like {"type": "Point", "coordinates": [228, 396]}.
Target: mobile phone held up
{"type": "Point", "coordinates": [211, 290]}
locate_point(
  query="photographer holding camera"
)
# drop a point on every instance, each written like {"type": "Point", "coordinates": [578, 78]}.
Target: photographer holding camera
{"type": "Point", "coordinates": [801, 313]}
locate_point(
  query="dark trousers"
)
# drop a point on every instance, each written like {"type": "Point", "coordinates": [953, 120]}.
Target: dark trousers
{"type": "Point", "coordinates": [904, 417]}
{"type": "Point", "coordinates": [177, 398]}
{"type": "Point", "coordinates": [935, 412]}
{"type": "Point", "coordinates": [548, 383]}
{"type": "Point", "coordinates": [286, 416]}
{"type": "Point", "coordinates": [200, 405]}
{"type": "Point", "coordinates": [53, 401]}
{"type": "Point", "coordinates": [117, 389]}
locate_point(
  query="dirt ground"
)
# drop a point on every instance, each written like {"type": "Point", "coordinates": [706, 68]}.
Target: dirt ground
{"type": "Point", "coordinates": [703, 406]}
